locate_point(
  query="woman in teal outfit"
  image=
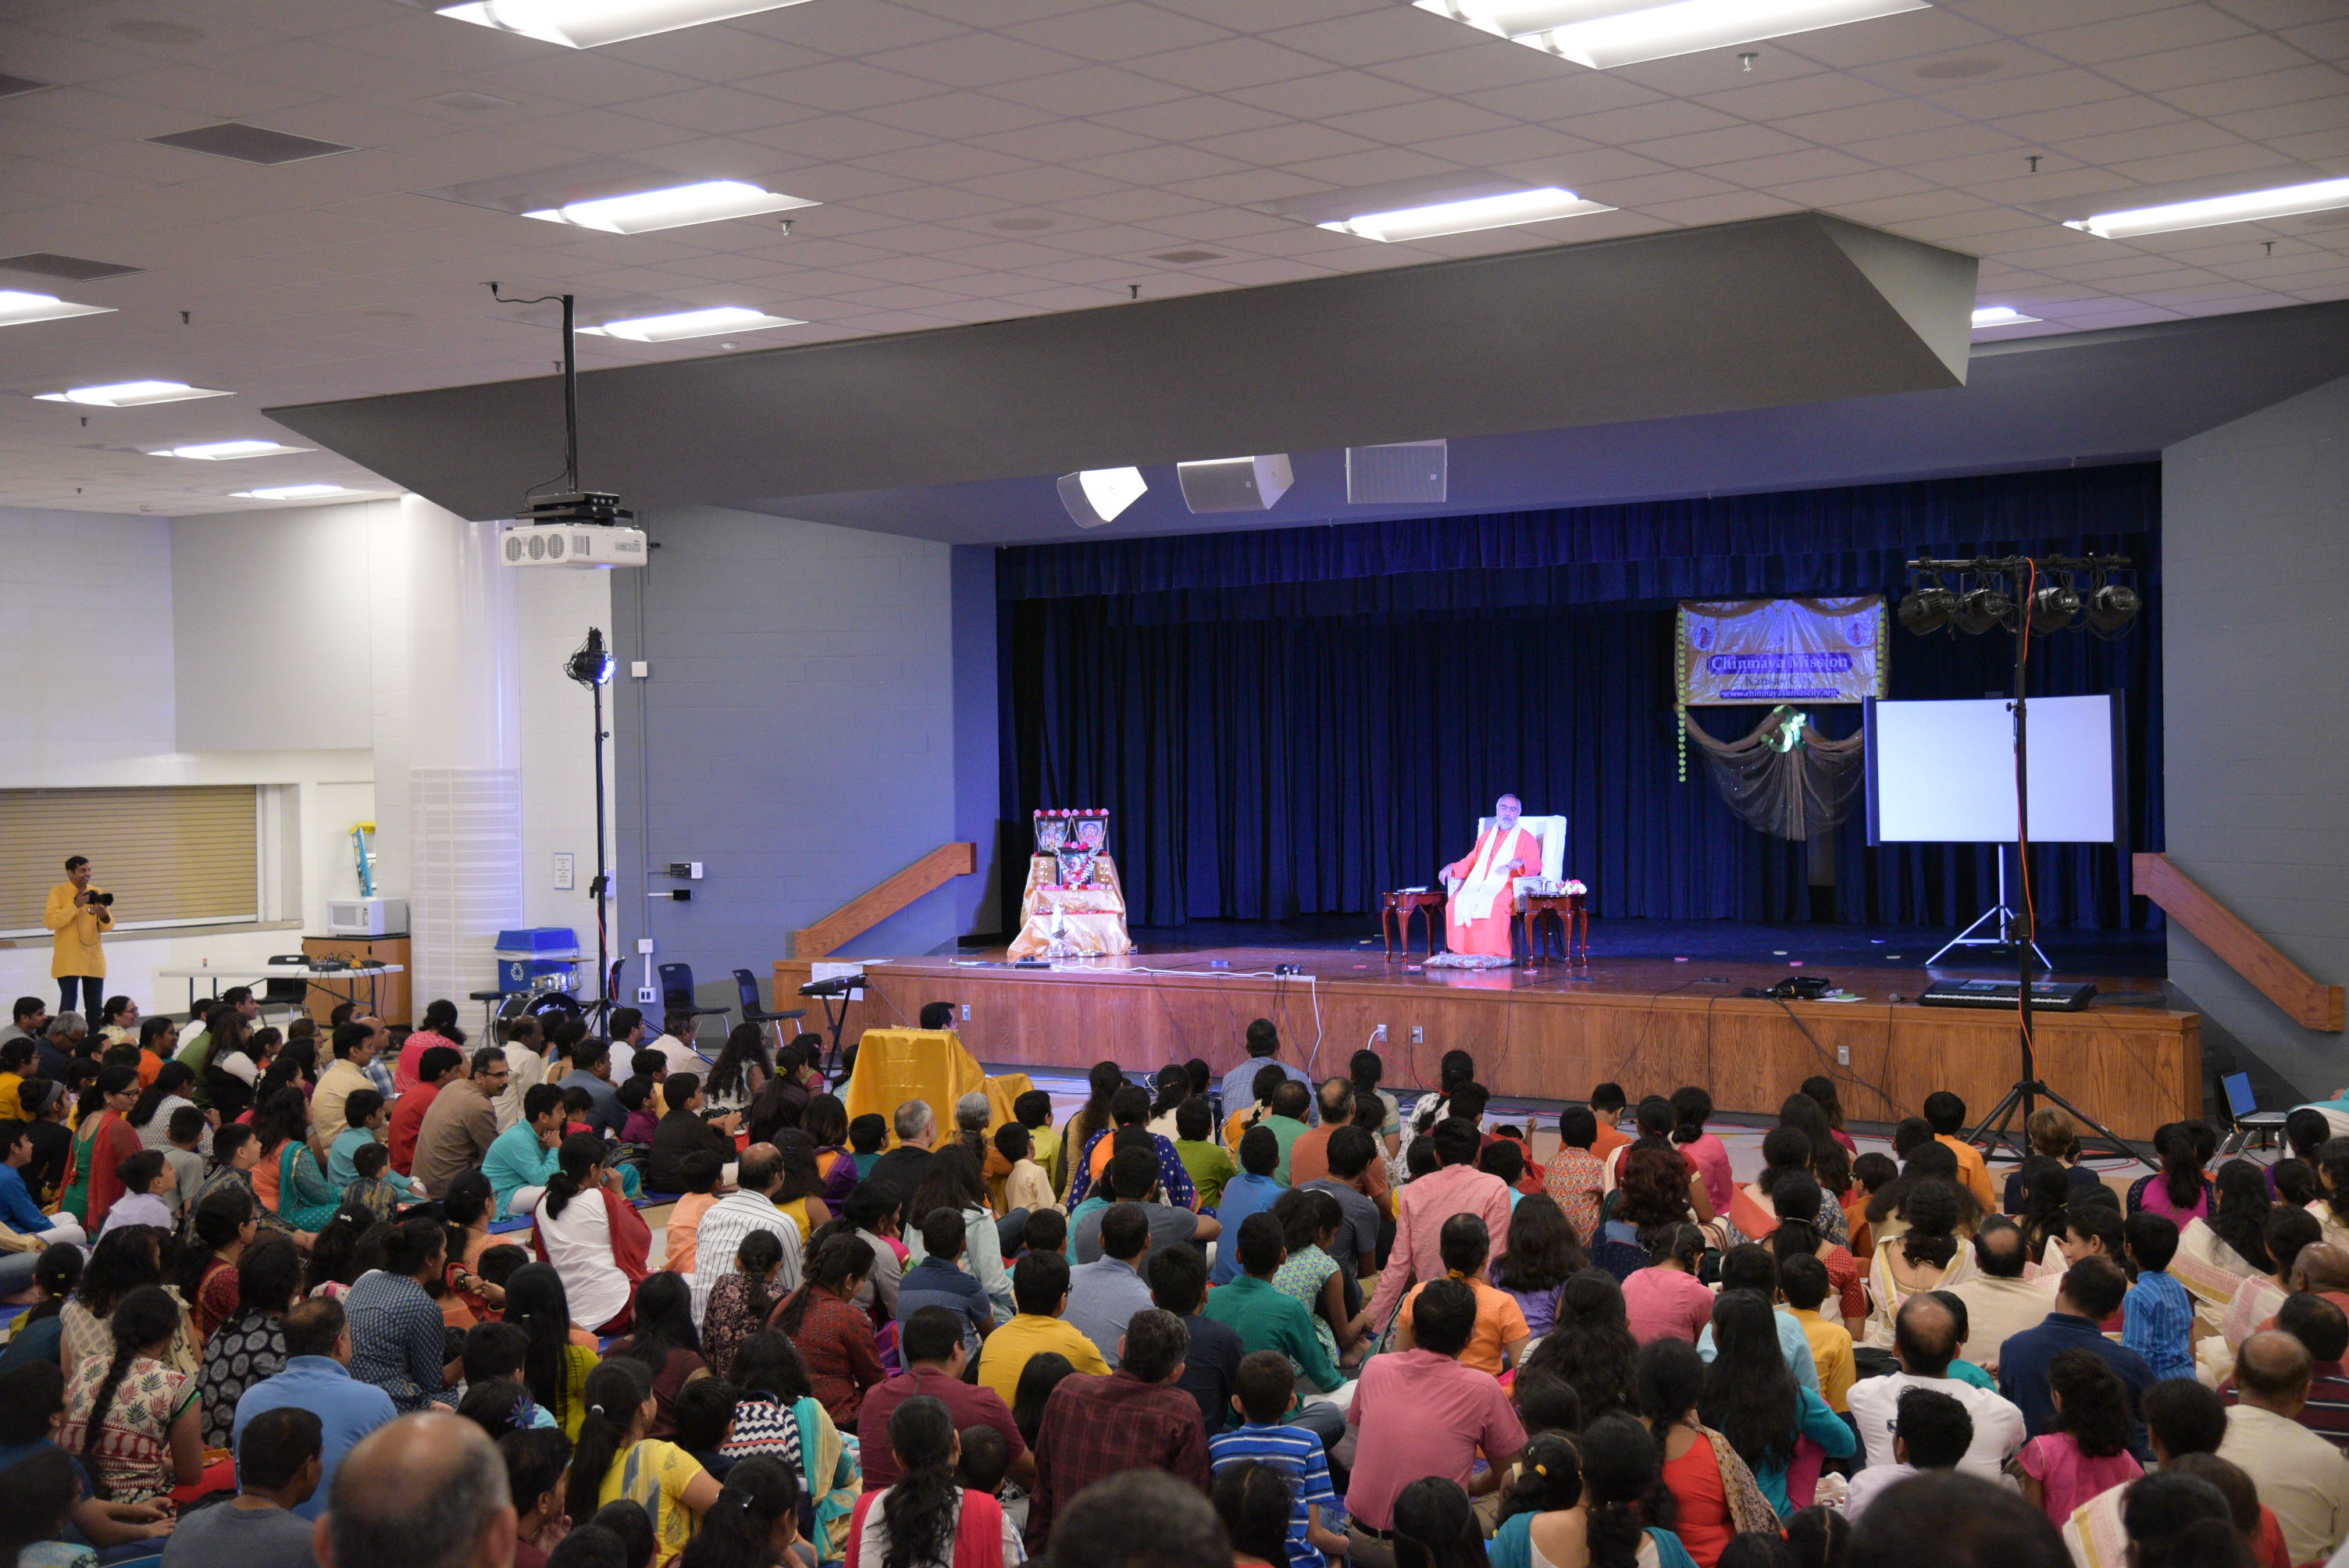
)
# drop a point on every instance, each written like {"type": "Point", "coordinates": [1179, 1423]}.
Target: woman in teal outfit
{"type": "Point", "coordinates": [305, 1199]}
{"type": "Point", "coordinates": [1603, 1507]}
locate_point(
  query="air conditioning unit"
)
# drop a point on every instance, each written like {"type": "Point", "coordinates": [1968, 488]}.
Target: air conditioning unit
{"type": "Point", "coordinates": [590, 545]}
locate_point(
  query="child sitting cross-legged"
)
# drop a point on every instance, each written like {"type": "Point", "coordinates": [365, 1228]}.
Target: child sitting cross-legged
{"type": "Point", "coordinates": [1268, 1387]}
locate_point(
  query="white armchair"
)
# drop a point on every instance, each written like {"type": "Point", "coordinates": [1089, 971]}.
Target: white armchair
{"type": "Point", "coordinates": [1551, 831]}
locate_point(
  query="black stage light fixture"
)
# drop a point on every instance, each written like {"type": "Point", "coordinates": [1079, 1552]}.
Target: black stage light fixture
{"type": "Point", "coordinates": [591, 663]}
{"type": "Point", "coordinates": [2111, 607]}
{"type": "Point", "coordinates": [1928, 606]}
{"type": "Point", "coordinates": [2054, 606]}
{"type": "Point", "coordinates": [1981, 608]}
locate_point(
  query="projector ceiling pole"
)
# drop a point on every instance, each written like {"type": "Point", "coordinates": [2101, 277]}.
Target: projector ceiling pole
{"type": "Point", "coordinates": [571, 428]}
{"type": "Point", "coordinates": [599, 889]}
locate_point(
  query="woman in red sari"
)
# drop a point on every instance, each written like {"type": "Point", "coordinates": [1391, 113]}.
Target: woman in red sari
{"type": "Point", "coordinates": [103, 1142]}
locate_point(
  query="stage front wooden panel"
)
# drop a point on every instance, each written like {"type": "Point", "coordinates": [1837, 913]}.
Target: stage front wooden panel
{"type": "Point", "coordinates": [1549, 1033]}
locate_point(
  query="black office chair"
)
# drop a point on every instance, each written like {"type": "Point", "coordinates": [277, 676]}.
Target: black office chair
{"type": "Point", "coordinates": [747, 983]}
{"type": "Point", "coordinates": [677, 995]}
{"type": "Point", "coordinates": [294, 995]}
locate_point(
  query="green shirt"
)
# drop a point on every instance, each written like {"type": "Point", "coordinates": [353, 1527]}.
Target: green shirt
{"type": "Point", "coordinates": [1270, 1319]}
{"type": "Point", "coordinates": [1967, 1372]}
{"type": "Point", "coordinates": [1288, 1133]}
{"type": "Point", "coordinates": [1210, 1165]}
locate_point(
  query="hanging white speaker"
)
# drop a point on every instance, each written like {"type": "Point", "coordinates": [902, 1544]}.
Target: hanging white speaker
{"type": "Point", "coordinates": [1235, 484]}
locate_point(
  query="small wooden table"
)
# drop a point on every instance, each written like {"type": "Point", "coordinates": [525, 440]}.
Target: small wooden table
{"type": "Point", "coordinates": [1572, 913]}
{"type": "Point", "coordinates": [1399, 907]}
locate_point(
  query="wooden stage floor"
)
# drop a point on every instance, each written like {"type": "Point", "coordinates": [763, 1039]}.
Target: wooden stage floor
{"type": "Point", "coordinates": [1553, 1030]}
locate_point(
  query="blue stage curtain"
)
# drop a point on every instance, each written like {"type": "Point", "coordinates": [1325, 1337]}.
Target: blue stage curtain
{"type": "Point", "coordinates": [1287, 721]}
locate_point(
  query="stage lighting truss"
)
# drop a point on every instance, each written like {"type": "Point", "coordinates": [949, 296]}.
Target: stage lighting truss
{"type": "Point", "coordinates": [1990, 592]}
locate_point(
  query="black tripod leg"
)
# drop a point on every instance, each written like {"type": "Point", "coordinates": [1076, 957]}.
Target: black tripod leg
{"type": "Point", "coordinates": [1994, 1126]}
{"type": "Point", "coordinates": [2120, 1145]}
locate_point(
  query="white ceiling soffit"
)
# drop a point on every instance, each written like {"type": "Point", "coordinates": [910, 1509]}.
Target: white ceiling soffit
{"type": "Point", "coordinates": [1742, 316]}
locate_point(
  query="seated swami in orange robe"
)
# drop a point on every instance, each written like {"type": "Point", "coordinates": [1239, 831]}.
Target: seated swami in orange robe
{"type": "Point", "coordinates": [1483, 899]}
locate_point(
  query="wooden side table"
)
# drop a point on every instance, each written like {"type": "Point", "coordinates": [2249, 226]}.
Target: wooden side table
{"type": "Point", "coordinates": [1399, 907]}
{"type": "Point", "coordinates": [1572, 913]}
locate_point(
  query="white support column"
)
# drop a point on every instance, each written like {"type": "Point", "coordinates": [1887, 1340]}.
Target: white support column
{"type": "Point", "coordinates": [448, 779]}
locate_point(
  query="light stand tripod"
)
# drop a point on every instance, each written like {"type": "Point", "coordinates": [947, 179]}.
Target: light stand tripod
{"type": "Point", "coordinates": [2004, 935]}
{"type": "Point", "coordinates": [591, 666]}
{"type": "Point", "coordinates": [2047, 608]}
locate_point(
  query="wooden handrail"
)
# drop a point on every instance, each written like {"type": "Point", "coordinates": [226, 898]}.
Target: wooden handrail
{"type": "Point", "coordinates": [2245, 951]}
{"type": "Point", "coordinates": [877, 903]}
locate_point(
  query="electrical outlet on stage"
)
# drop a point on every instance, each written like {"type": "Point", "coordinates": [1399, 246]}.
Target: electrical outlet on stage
{"type": "Point", "coordinates": [1418, 1036]}
{"type": "Point", "coordinates": [1378, 1034]}
{"type": "Point", "coordinates": [966, 1012]}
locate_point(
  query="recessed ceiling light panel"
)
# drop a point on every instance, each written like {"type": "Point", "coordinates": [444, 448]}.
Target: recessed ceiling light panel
{"type": "Point", "coordinates": [1095, 496]}
{"type": "Point", "coordinates": [17, 307]}
{"type": "Point", "coordinates": [684, 324]}
{"type": "Point", "coordinates": [1999, 315]}
{"type": "Point", "coordinates": [223, 451]}
{"type": "Point", "coordinates": [1466, 217]}
{"type": "Point", "coordinates": [129, 394]}
{"type": "Point", "coordinates": [643, 211]}
{"type": "Point", "coordinates": [586, 24]}
{"type": "Point", "coordinates": [1603, 34]}
{"type": "Point", "coordinates": [2243, 207]}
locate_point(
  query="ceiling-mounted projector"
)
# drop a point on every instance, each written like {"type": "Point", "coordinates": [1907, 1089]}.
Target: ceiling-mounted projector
{"type": "Point", "coordinates": [579, 530]}
{"type": "Point", "coordinates": [1235, 484]}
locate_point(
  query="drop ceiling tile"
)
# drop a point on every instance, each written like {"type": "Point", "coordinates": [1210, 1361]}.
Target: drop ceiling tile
{"type": "Point", "coordinates": [2254, 164]}
{"type": "Point", "coordinates": [723, 111]}
{"type": "Point", "coordinates": [580, 77]}
{"type": "Point", "coordinates": [2147, 33]}
{"type": "Point", "coordinates": [1256, 185]}
{"type": "Point", "coordinates": [1290, 141]}
{"type": "Point", "coordinates": [1408, 124]}
{"type": "Point", "coordinates": [2325, 149]}
{"type": "Point", "coordinates": [943, 161]}
{"type": "Point", "coordinates": [1512, 144]}
{"type": "Point", "coordinates": [1191, 119]}
{"type": "Point", "coordinates": [1227, 65]}
{"type": "Point", "coordinates": [1868, 121]}
{"type": "Point", "coordinates": [1060, 139]}
{"type": "Point", "coordinates": [1134, 206]}
{"type": "Point", "coordinates": [1993, 96]}
{"type": "Point", "coordinates": [831, 137]}
{"type": "Point", "coordinates": [1649, 192]}
{"type": "Point", "coordinates": [2289, 119]}
{"type": "Point", "coordinates": [1334, 92]}
{"type": "Point", "coordinates": [1564, 96]}
{"type": "Point", "coordinates": [1217, 223]}
{"type": "Point", "coordinates": [1368, 169]}
{"type": "Point", "coordinates": [2209, 63]}
{"type": "Point", "coordinates": [1002, 256]}
{"type": "Point", "coordinates": [1394, 33]}
{"type": "Point", "coordinates": [2272, 87]}
{"type": "Point", "coordinates": [1161, 166]}
{"type": "Point", "coordinates": [1043, 185]}
{"type": "Point", "coordinates": [1732, 143]}
{"type": "Point", "coordinates": [1733, 208]}
{"type": "Point", "coordinates": [2108, 116]}
{"type": "Point", "coordinates": [865, 28]}
{"type": "Point", "coordinates": [1587, 170]}
{"type": "Point", "coordinates": [1092, 90]}
{"type": "Point", "coordinates": [1107, 34]}
{"type": "Point", "coordinates": [1937, 30]}
{"type": "Point", "coordinates": [720, 52]}
{"type": "Point", "coordinates": [1787, 167]}
{"type": "Point", "coordinates": [1646, 122]}
{"type": "Point", "coordinates": [1847, 194]}
{"type": "Point", "coordinates": [1266, 270]}
{"type": "Point", "coordinates": [2149, 141]}
{"type": "Point", "coordinates": [1078, 270]}
{"type": "Point", "coordinates": [1487, 66]}
{"type": "Point", "coordinates": [1958, 140]}
{"type": "Point", "coordinates": [1249, 15]}
{"type": "Point", "coordinates": [960, 114]}
{"type": "Point", "coordinates": [974, 60]}
{"type": "Point", "coordinates": [1779, 101]}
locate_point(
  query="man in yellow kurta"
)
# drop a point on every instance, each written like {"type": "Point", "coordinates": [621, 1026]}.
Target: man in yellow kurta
{"type": "Point", "coordinates": [79, 922]}
{"type": "Point", "coordinates": [1482, 899]}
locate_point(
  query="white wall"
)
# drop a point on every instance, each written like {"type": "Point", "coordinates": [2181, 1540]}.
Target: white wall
{"type": "Point", "coordinates": [103, 710]}
{"type": "Point", "coordinates": [271, 616]}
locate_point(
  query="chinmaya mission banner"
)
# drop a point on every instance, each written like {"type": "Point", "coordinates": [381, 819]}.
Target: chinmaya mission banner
{"type": "Point", "coordinates": [1781, 650]}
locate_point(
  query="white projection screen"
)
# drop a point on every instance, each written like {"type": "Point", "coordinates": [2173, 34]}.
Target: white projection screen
{"type": "Point", "coordinates": [1943, 772]}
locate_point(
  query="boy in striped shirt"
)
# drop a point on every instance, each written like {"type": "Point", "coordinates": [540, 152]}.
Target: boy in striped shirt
{"type": "Point", "coordinates": [1267, 1385]}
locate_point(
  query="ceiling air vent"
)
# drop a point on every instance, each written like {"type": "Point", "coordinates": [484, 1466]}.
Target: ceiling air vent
{"type": "Point", "coordinates": [75, 269]}
{"type": "Point", "coordinates": [249, 143]}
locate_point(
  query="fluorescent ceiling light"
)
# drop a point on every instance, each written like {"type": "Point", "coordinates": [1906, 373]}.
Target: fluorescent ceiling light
{"type": "Point", "coordinates": [584, 24]}
{"type": "Point", "coordinates": [17, 307]}
{"type": "Point", "coordinates": [1603, 34]}
{"type": "Point", "coordinates": [2249, 206]}
{"type": "Point", "coordinates": [221, 451]}
{"type": "Point", "coordinates": [684, 324]}
{"type": "Point", "coordinates": [1999, 315]}
{"type": "Point", "coordinates": [129, 393]}
{"type": "Point", "coordinates": [705, 201]}
{"type": "Point", "coordinates": [295, 492]}
{"type": "Point", "coordinates": [1466, 217]}
{"type": "Point", "coordinates": [1095, 496]}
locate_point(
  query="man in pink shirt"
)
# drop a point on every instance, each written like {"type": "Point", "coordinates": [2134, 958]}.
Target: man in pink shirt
{"type": "Point", "coordinates": [1456, 1187]}
{"type": "Point", "coordinates": [1419, 1412]}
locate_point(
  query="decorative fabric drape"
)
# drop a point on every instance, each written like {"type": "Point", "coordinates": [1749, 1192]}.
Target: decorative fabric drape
{"type": "Point", "coordinates": [1789, 790]}
{"type": "Point", "coordinates": [1289, 721]}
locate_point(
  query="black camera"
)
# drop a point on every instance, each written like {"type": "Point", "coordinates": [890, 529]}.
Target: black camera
{"type": "Point", "coordinates": [97, 897]}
